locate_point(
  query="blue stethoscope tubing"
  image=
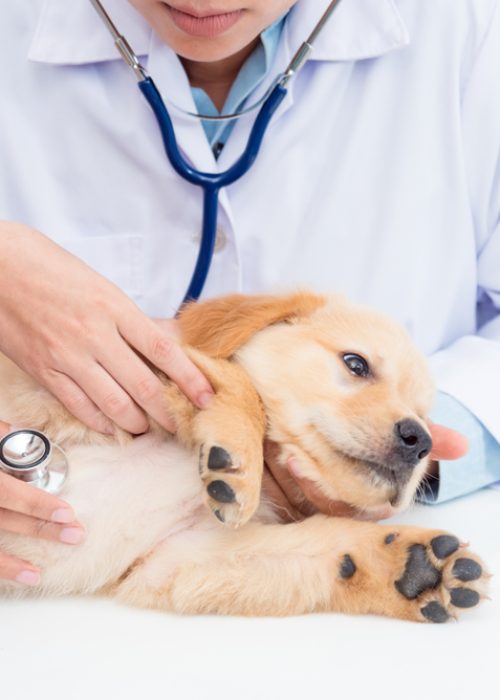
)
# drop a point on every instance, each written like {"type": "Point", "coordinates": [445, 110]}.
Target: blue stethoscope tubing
{"type": "Point", "coordinates": [211, 183]}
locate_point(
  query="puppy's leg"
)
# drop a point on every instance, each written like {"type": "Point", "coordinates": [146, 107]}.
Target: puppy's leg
{"type": "Point", "coordinates": [228, 437]}
{"type": "Point", "coordinates": [321, 564]}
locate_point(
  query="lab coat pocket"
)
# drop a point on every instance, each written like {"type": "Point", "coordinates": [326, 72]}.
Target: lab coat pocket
{"type": "Point", "coordinates": [119, 258]}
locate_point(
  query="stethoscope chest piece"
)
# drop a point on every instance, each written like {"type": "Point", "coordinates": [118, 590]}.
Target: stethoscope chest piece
{"type": "Point", "coordinates": [29, 455]}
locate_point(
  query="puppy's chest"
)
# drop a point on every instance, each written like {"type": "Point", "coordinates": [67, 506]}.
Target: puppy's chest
{"type": "Point", "coordinates": [139, 492]}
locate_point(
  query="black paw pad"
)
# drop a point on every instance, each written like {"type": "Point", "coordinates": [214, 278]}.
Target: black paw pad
{"type": "Point", "coordinates": [220, 491]}
{"type": "Point", "coordinates": [390, 538]}
{"type": "Point", "coordinates": [348, 567]}
{"type": "Point", "coordinates": [464, 597]}
{"type": "Point", "coordinates": [218, 458]}
{"type": "Point", "coordinates": [434, 612]}
{"type": "Point", "coordinates": [444, 545]}
{"type": "Point", "coordinates": [419, 574]}
{"type": "Point", "coordinates": [467, 570]}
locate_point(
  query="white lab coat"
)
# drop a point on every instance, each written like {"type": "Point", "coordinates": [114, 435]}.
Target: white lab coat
{"type": "Point", "coordinates": [379, 176]}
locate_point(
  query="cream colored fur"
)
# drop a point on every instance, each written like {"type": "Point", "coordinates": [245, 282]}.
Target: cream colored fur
{"type": "Point", "coordinates": [276, 366]}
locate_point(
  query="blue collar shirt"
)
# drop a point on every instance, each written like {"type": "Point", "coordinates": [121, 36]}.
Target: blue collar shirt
{"type": "Point", "coordinates": [253, 71]}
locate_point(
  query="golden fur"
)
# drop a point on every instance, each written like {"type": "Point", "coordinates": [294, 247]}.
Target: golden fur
{"type": "Point", "coordinates": [276, 364]}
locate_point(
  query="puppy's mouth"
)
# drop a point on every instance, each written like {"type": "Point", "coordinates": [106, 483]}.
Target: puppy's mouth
{"type": "Point", "coordinates": [381, 474]}
{"type": "Point", "coordinates": [376, 460]}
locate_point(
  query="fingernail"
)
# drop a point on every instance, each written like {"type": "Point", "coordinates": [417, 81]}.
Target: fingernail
{"type": "Point", "coordinates": [63, 515]}
{"type": "Point", "coordinates": [205, 399]}
{"type": "Point", "coordinates": [29, 578]}
{"type": "Point", "coordinates": [72, 535]}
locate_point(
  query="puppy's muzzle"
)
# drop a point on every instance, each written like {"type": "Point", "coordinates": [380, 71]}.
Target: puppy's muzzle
{"type": "Point", "coordinates": [412, 442]}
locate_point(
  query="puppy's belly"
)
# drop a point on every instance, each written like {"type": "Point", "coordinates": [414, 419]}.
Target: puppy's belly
{"type": "Point", "coordinates": [129, 499]}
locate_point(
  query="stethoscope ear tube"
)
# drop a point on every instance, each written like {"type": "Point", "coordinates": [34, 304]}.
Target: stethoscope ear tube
{"type": "Point", "coordinates": [28, 455]}
{"type": "Point", "coordinates": [211, 183]}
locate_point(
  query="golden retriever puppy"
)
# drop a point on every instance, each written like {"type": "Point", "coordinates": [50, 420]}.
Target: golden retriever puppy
{"type": "Point", "coordinates": [333, 384]}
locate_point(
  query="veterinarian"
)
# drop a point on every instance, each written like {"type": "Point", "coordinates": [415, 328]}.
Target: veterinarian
{"type": "Point", "coordinates": [379, 177]}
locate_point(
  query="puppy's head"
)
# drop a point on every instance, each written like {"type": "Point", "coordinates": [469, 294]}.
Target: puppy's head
{"type": "Point", "coordinates": [345, 391]}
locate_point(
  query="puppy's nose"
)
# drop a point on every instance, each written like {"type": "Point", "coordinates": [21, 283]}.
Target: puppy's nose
{"type": "Point", "coordinates": [413, 443]}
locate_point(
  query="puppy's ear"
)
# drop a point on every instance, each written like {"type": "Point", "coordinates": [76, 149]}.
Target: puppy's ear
{"type": "Point", "coordinates": [221, 326]}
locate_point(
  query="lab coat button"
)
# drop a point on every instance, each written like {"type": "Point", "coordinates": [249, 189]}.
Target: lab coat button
{"type": "Point", "coordinates": [220, 240]}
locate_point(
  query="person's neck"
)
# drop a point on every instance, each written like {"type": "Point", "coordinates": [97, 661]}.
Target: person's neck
{"type": "Point", "coordinates": [216, 78]}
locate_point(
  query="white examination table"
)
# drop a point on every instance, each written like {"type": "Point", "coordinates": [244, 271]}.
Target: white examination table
{"type": "Point", "coordinates": [88, 649]}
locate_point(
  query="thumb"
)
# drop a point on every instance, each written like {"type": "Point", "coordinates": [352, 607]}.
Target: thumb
{"type": "Point", "coordinates": [447, 443]}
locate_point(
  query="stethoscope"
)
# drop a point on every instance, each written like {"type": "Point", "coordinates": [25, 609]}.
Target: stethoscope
{"type": "Point", "coordinates": [28, 454]}
{"type": "Point", "coordinates": [211, 183]}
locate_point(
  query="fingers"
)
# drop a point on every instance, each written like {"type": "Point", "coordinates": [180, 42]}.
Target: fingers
{"type": "Point", "coordinates": [23, 498]}
{"type": "Point", "coordinates": [77, 402]}
{"type": "Point", "coordinates": [163, 351]}
{"type": "Point", "coordinates": [18, 570]}
{"type": "Point", "coordinates": [57, 339]}
{"type": "Point", "coordinates": [302, 493]}
{"type": "Point", "coordinates": [447, 443]}
{"type": "Point", "coordinates": [71, 533]}
{"type": "Point", "coordinates": [305, 496]}
{"type": "Point", "coordinates": [26, 510]}
{"type": "Point", "coordinates": [4, 428]}
{"type": "Point", "coordinates": [120, 384]}
{"type": "Point", "coordinates": [108, 394]}
{"type": "Point", "coordinates": [314, 495]}
{"type": "Point", "coordinates": [291, 494]}
{"type": "Point", "coordinates": [170, 327]}
{"type": "Point", "coordinates": [139, 382]}
{"type": "Point", "coordinates": [338, 509]}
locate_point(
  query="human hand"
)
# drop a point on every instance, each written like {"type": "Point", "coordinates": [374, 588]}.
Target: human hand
{"type": "Point", "coordinates": [30, 511]}
{"type": "Point", "coordinates": [299, 497]}
{"type": "Point", "coordinates": [78, 335]}
{"type": "Point", "coordinates": [446, 443]}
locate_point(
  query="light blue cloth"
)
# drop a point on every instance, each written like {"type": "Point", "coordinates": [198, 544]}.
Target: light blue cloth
{"type": "Point", "coordinates": [251, 74]}
{"type": "Point", "coordinates": [481, 466]}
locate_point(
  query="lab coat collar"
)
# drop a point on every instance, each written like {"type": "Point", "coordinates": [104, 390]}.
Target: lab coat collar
{"type": "Point", "coordinates": [358, 29]}
{"type": "Point", "coordinates": [76, 35]}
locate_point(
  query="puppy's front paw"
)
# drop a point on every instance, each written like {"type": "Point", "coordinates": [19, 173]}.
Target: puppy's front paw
{"type": "Point", "coordinates": [441, 578]}
{"type": "Point", "coordinates": [231, 482]}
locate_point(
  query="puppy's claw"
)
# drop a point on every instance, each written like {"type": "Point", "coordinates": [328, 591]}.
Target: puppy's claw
{"type": "Point", "coordinates": [219, 515]}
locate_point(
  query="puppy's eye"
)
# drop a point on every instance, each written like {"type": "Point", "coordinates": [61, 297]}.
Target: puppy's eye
{"type": "Point", "coordinates": [356, 364]}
